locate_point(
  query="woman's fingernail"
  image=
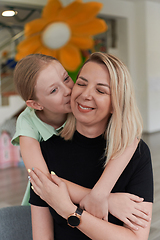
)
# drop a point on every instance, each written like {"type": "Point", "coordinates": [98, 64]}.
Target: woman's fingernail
{"type": "Point", "coordinates": [29, 170]}
{"type": "Point", "coordinates": [53, 173]}
{"type": "Point", "coordinates": [32, 187]}
{"type": "Point", "coordinates": [32, 168]}
{"type": "Point", "coordinates": [29, 177]}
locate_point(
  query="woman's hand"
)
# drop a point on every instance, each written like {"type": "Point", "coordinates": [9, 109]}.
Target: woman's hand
{"type": "Point", "coordinates": [95, 204]}
{"type": "Point", "coordinates": [54, 192]}
{"type": "Point", "coordinates": [129, 209]}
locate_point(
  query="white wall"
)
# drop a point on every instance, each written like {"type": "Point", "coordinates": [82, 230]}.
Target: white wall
{"type": "Point", "coordinates": [153, 64]}
{"type": "Point", "coordinates": [7, 112]}
{"type": "Point", "coordinates": [140, 78]}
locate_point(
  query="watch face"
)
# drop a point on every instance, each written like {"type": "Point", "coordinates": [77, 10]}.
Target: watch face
{"type": "Point", "coordinates": [73, 221]}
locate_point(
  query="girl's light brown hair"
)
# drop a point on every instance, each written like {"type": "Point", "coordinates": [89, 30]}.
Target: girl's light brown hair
{"type": "Point", "coordinates": [26, 73]}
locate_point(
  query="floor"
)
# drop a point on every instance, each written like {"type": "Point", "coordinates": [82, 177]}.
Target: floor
{"type": "Point", "coordinates": [13, 182]}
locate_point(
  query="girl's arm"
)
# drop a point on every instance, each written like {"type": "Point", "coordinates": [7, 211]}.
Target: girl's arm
{"type": "Point", "coordinates": [58, 198]}
{"type": "Point", "coordinates": [123, 206]}
{"type": "Point", "coordinates": [98, 229]}
{"type": "Point", "coordinates": [32, 155]}
{"type": "Point", "coordinates": [96, 201]}
{"type": "Point", "coordinates": [42, 223]}
{"type": "Point", "coordinates": [76, 192]}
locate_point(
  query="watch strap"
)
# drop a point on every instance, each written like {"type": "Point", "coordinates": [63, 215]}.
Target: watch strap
{"type": "Point", "coordinates": [79, 211]}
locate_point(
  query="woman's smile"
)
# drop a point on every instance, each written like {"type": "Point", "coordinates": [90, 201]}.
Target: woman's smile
{"type": "Point", "coordinates": [84, 108]}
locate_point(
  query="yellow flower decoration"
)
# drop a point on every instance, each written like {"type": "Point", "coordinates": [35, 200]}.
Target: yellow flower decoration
{"type": "Point", "coordinates": [63, 32]}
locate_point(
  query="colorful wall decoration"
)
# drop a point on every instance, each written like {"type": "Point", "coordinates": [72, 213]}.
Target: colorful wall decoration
{"type": "Point", "coordinates": [63, 32]}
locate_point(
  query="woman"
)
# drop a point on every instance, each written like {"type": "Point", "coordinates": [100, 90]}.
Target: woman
{"type": "Point", "coordinates": [106, 115]}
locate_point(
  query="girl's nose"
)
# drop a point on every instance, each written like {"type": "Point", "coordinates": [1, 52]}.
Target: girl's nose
{"type": "Point", "coordinates": [67, 90]}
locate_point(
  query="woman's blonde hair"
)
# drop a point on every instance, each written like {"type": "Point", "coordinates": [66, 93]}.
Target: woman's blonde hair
{"type": "Point", "coordinates": [26, 73]}
{"type": "Point", "coordinates": [125, 123]}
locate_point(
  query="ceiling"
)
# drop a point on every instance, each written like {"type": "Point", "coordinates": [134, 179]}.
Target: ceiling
{"type": "Point", "coordinates": [24, 15]}
{"type": "Point", "coordinates": [10, 26]}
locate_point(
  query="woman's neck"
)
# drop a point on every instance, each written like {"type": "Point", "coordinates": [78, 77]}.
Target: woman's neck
{"type": "Point", "coordinates": [53, 119]}
{"type": "Point", "coordinates": [90, 131]}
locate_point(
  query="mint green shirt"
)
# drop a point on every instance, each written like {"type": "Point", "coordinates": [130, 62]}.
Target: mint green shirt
{"type": "Point", "coordinates": [29, 125]}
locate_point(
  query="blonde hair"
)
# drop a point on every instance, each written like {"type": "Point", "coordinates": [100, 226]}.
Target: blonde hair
{"type": "Point", "coordinates": [26, 73]}
{"type": "Point", "coordinates": [69, 128]}
{"type": "Point", "coordinates": [125, 123]}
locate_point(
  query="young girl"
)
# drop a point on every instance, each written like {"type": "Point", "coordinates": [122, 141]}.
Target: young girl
{"type": "Point", "coordinates": [46, 88]}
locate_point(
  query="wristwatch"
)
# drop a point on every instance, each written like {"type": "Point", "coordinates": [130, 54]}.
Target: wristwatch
{"type": "Point", "coordinates": [74, 219]}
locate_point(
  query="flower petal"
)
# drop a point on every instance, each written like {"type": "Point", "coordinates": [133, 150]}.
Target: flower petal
{"type": "Point", "coordinates": [54, 53]}
{"type": "Point", "coordinates": [93, 27]}
{"type": "Point", "coordinates": [34, 26]}
{"type": "Point", "coordinates": [88, 12]}
{"type": "Point", "coordinates": [27, 44]}
{"type": "Point", "coordinates": [82, 42]}
{"type": "Point", "coordinates": [47, 51]}
{"type": "Point", "coordinates": [51, 10]}
{"type": "Point", "coordinates": [70, 11]}
{"type": "Point", "coordinates": [22, 54]}
{"type": "Point", "coordinates": [70, 57]}
{"type": "Point", "coordinates": [26, 51]}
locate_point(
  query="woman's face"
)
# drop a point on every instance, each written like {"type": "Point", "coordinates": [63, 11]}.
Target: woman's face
{"type": "Point", "coordinates": [91, 99]}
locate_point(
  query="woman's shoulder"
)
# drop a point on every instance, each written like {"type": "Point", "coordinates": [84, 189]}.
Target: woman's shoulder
{"type": "Point", "coordinates": [142, 154]}
{"type": "Point", "coordinates": [143, 148]}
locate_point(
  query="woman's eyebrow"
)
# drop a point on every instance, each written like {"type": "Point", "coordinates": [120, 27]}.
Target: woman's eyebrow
{"type": "Point", "coordinates": [104, 85]}
{"type": "Point", "coordinates": [83, 79]}
{"type": "Point", "coordinates": [99, 84]}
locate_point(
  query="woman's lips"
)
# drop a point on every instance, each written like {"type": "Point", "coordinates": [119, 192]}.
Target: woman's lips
{"type": "Point", "coordinates": [84, 108]}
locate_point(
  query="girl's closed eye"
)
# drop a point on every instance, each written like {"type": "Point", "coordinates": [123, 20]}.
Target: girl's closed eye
{"type": "Point", "coordinates": [67, 78]}
{"type": "Point", "coordinates": [54, 90]}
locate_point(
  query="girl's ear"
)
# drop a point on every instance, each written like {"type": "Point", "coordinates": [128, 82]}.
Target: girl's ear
{"type": "Point", "coordinates": [33, 104]}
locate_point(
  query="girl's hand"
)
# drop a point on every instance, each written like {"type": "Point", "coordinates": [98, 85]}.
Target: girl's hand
{"type": "Point", "coordinates": [129, 209]}
{"type": "Point", "coordinates": [95, 204]}
{"type": "Point", "coordinates": [54, 192]}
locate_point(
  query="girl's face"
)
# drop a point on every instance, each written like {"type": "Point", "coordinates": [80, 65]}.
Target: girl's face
{"type": "Point", "coordinates": [91, 99]}
{"type": "Point", "coordinates": [53, 89]}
